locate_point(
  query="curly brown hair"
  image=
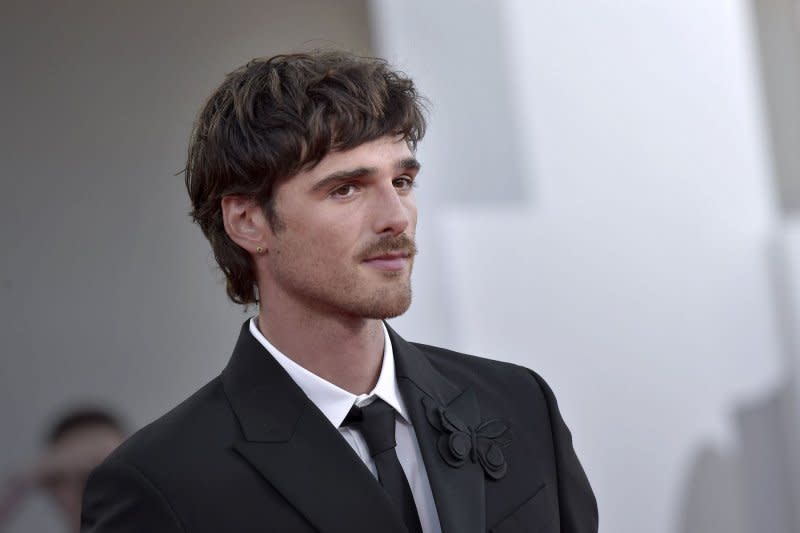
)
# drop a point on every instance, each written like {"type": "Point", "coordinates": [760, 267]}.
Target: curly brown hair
{"type": "Point", "coordinates": [274, 117]}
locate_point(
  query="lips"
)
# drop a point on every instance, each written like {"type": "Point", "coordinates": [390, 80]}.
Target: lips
{"type": "Point", "coordinates": [389, 262]}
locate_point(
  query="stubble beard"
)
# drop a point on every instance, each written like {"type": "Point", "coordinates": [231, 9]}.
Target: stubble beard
{"type": "Point", "coordinates": [356, 293]}
{"type": "Point", "coordinates": [394, 299]}
{"type": "Point", "coordinates": [352, 292]}
{"type": "Point", "coordinates": [386, 302]}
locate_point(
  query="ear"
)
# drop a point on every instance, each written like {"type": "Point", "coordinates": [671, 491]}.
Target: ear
{"type": "Point", "coordinates": [245, 223]}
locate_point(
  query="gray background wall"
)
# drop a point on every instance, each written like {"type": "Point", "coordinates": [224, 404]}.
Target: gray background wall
{"type": "Point", "coordinates": [108, 291]}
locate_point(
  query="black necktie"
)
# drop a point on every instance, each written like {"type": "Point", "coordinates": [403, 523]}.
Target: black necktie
{"type": "Point", "coordinates": [376, 423]}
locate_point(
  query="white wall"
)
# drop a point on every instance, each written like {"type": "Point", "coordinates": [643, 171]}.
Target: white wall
{"type": "Point", "coordinates": [634, 273]}
{"type": "Point", "coordinates": [455, 53]}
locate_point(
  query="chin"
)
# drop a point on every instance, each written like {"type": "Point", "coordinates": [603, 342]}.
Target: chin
{"type": "Point", "coordinates": [382, 305]}
{"type": "Point", "coordinates": [394, 312]}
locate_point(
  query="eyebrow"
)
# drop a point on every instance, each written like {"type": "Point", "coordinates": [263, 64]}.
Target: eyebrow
{"type": "Point", "coordinates": [408, 163]}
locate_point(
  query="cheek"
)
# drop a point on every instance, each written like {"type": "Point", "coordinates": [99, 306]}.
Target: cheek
{"type": "Point", "coordinates": [326, 240]}
{"type": "Point", "coordinates": [340, 231]}
{"type": "Point", "coordinates": [321, 231]}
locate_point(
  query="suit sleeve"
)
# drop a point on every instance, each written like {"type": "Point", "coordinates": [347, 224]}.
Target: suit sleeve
{"type": "Point", "coordinates": [119, 499]}
{"type": "Point", "coordinates": [576, 501]}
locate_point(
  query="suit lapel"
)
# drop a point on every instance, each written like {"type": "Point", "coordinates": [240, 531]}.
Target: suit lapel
{"type": "Point", "coordinates": [458, 492]}
{"type": "Point", "coordinates": [291, 443]}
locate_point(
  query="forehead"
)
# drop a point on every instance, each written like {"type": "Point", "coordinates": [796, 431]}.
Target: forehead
{"type": "Point", "coordinates": [380, 153]}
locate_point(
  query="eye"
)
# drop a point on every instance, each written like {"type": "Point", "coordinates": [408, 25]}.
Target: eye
{"type": "Point", "coordinates": [344, 191]}
{"type": "Point", "coordinates": [404, 183]}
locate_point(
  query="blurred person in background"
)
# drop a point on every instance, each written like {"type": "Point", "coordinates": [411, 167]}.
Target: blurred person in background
{"type": "Point", "coordinates": [76, 443]}
{"type": "Point", "coordinates": [301, 173]}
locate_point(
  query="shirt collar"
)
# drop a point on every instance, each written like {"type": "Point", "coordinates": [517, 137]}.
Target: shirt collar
{"type": "Point", "coordinates": [333, 401]}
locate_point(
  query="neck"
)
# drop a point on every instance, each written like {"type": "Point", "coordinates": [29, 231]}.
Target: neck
{"type": "Point", "coordinates": [344, 350]}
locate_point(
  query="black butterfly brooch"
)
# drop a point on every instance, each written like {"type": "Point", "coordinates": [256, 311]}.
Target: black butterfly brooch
{"type": "Point", "coordinates": [459, 441]}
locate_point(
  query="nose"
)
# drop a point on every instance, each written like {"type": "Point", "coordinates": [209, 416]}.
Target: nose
{"type": "Point", "coordinates": [393, 212]}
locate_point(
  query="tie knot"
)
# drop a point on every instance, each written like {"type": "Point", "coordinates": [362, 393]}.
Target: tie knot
{"type": "Point", "coordinates": [376, 423]}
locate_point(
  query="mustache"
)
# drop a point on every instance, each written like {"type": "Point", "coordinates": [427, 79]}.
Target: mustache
{"type": "Point", "coordinates": [388, 245]}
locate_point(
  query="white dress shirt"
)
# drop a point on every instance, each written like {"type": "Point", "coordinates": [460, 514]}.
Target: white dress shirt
{"type": "Point", "coordinates": [335, 403]}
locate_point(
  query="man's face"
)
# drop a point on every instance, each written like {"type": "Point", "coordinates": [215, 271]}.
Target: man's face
{"type": "Point", "coordinates": [344, 243]}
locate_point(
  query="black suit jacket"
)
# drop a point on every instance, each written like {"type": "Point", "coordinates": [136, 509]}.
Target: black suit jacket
{"type": "Point", "coordinates": [250, 452]}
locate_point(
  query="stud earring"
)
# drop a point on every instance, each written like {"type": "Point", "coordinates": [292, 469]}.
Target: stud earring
{"type": "Point", "coordinates": [259, 250]}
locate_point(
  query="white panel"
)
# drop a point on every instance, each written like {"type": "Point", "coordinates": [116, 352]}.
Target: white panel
{"type": "Point", "coordinates": [638, 281]}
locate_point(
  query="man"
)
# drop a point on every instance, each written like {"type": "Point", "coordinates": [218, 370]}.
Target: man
{"type": "Point", "coordinates": [77, 442]}
{"type": "Point", "coordinates": [301, 174]}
